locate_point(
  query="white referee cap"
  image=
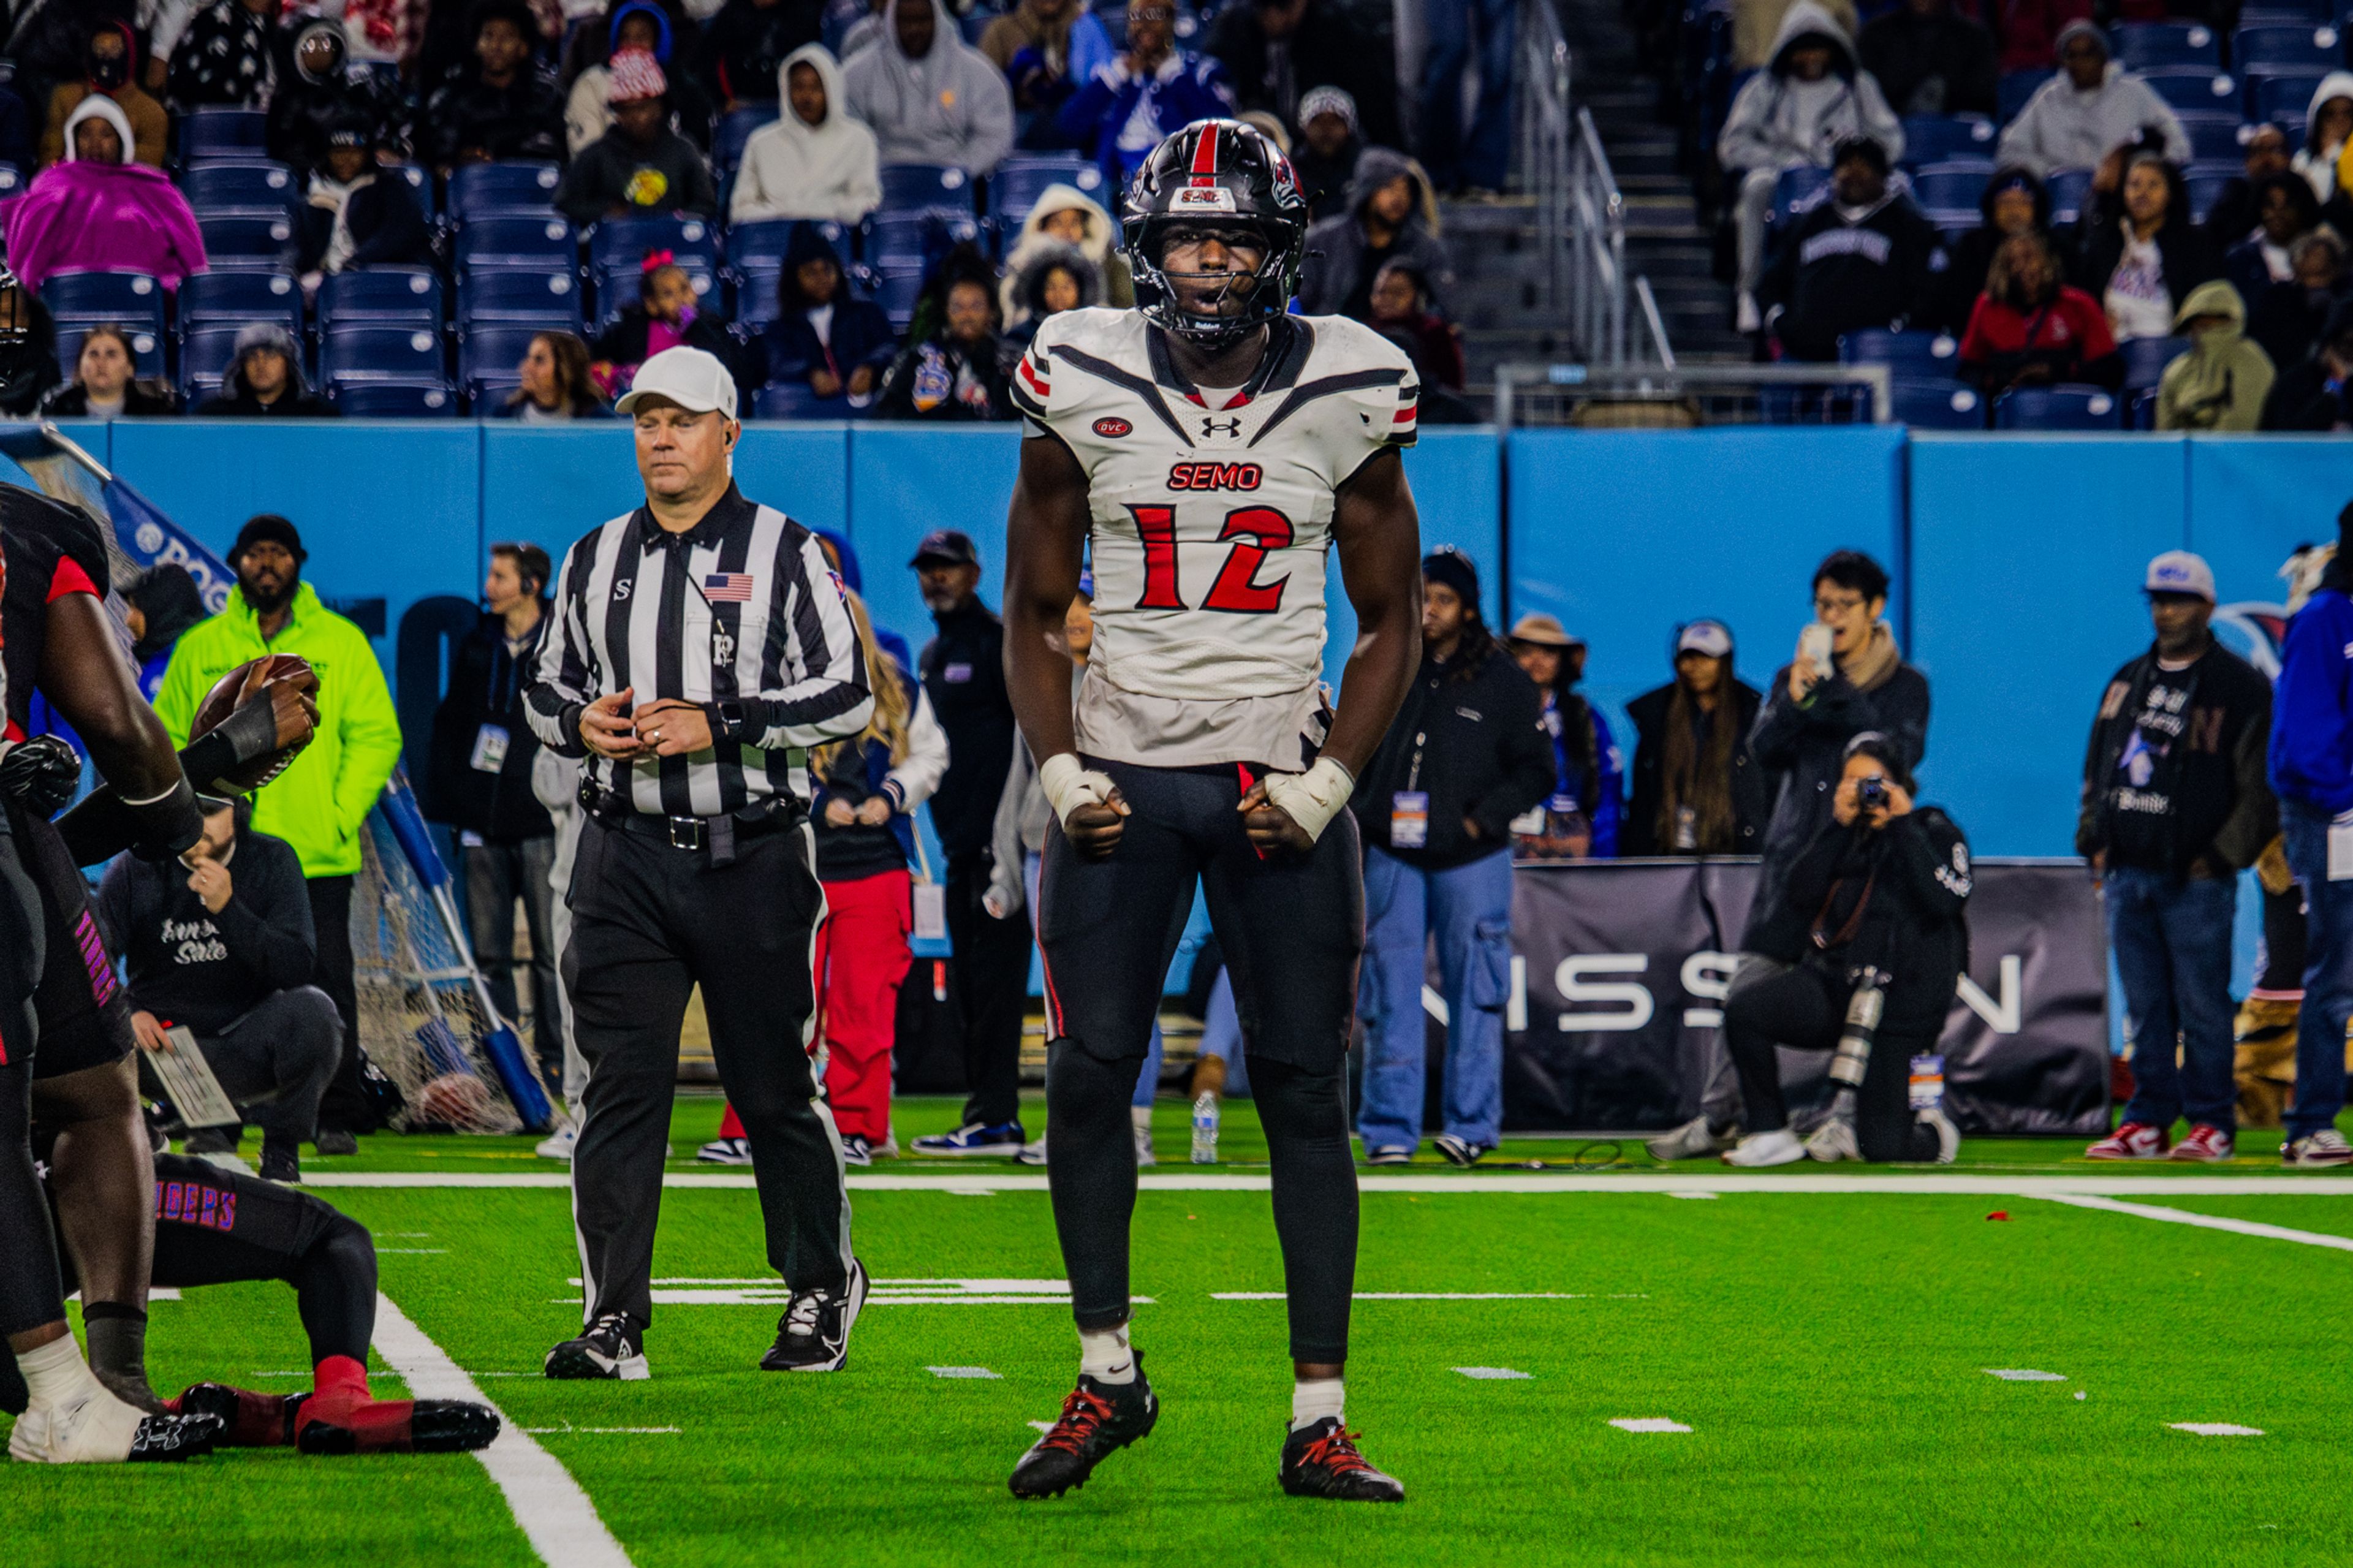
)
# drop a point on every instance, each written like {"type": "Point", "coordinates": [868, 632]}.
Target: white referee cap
{"type": "Point", "coordinates": [691, 378]}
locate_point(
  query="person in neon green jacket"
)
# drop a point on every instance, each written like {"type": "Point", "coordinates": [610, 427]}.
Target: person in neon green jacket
{"type": "Point", "coordinates": [320, 802]}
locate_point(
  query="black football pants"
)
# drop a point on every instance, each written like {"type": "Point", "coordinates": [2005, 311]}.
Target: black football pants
{"type": "Point", "coordinates": [1292, 927]}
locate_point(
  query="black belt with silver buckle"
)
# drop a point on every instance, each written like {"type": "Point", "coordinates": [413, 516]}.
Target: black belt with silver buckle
{"type": "Point", "coordinates": [690, 832]}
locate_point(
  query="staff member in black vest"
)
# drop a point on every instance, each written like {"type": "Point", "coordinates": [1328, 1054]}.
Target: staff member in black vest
{"type": "Point", "coordinates": [701, 647]}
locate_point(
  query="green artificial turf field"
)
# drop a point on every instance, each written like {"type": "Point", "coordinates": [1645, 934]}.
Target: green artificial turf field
{"type": "Point", "coordinates": [1828, 1349]}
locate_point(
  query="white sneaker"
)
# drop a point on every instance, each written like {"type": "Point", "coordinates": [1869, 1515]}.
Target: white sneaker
{"type": "Point", "coordinates": [1779, 1147]}
{"type": "Point", "coordinates": [2324, 1148]}
{"type": "Point", "coordinates": [1689, 1141]}
{"type": "Point", "coordinates": [1948, 1137]}
{"type": "Point", "coordinates": [1834, 1141]}
{"type": "Point", "coordinates": [725, 1152]}
{"type": "Point", "coordinates": [889, 1148]}
{"type": "Point", "coordinates": [557, 1145]}
{"type": "Point", "coordinates": [1145, 1157]}
{"type": "Point", "coordinates": [1032, 1154]}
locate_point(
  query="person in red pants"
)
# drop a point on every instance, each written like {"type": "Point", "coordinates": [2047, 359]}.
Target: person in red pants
{"type": "Point", "coordinates": [867, 791]}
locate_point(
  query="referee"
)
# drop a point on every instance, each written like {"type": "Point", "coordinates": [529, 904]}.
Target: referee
{"type": "Point", "coordinates": [701, 647]}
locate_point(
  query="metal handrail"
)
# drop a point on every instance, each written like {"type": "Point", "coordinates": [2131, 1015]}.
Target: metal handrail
{"type": "Point", "coordinates": [1541, 93]}
{"type": "Point", "coordinates": [1654, 327]}
{"type": "Point", "coordinates": [1596, 248]}
{"type": "Point", "coordinates": [1661, 381]}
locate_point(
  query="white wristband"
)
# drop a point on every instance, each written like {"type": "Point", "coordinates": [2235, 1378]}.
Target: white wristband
{"type": "Point", "coordinates": [1313, 798]}
{"type": "Point", "coordinates": [1068, 785]}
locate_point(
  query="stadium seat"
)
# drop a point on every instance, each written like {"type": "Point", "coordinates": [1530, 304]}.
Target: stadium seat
{"type": "Point", "coordinates": [239, 186]}
{"type": "Point", "coordinates": [2142, 46]}
{"type": "Point", "coordinates": [619, 289]}
{"type": "Point", "coordinates": [2194, 86]}
{"type": "Point", "coordinates": [896, 292]}
{"type": "Point", "coordinates": [132, 299]}
{"type": "Point", "coordinates": [2295, 45]}
{"type": "Point", "coordinates": [2205, 185]}
{"type": "Point", "coordinates": [491, 353]}
{"type": "Point", "coordinates": [392, 399]}
{"type": "Point", "coordinates": [914, 187]}
{"type": "Point", "coordinates": [407, 296]}
{"type": "Point", "coordinates": [1920, 356]}
{"type": "Point", "coordinates": [1019, 182]}
{"type": "Point", "coordinates": [1935, 138]}
{"type": "Point", "coordinates": [2144, 411]}
{"type": "Point", "coordinates": [1951, 187]}
{"type": "Point", "coordinates": [768, 240]}
{"type": "Point", "coordinates": [2015, 88]}
{"type": "Point", "coordinates": [419, 180]}
{"type": "Point", "coordinates": [1936, 405]}
{"type": "Point", "coordinates": [756, 296]}
{"type": "Point", "coordinates": [2145, 360]}
{"type": "Point", "coordinates": [378, 351]}
{"type": "Point", "coordinates": [247, 242]}
{"type": "Point", "coordinates": [1796, 191]}
{"type": "Point", "coordinates": [512, 299]}
{"type": "Point", "coordinates": [794, 400]}
{"type": "Point", "coordinates": [501, 190]}
{"type": "Point", "coordinates": [515, 243]}
{"type": "Point", "coordinates": [207, 133]}
{"type": "Point", "coordinates": [216, 297]}
{"type": "Point", "coordinates": [2283, 93]}
{"type": "Point", "coordinates": [2061, 408]}
{"type": "Point", "coordinates": [2214, 134]}
{"type": "Point", "coordinates": [621, 242]}
{"type": "Point", "coordinates": [147, 344]}
{"type": "Point", "coordinates": [11, 182]}
{"type": "Point", "coordinates": [2069, 189]}
{"type": "Point", "coordinates": [735, 128]}
{"type": "Point", "coordinates": [205, 351]}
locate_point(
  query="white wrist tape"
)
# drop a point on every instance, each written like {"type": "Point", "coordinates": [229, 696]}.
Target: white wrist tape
{"type": "Point", "coordinates": [1068, 785]}
{"type": "Point", "coordinates": [1313, 798]}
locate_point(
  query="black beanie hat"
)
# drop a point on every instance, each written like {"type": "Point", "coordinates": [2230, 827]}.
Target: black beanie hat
{"type": "Point", "coordinates": [268, 527]}
{"type": "Point", "coordinates": [1449, 565]}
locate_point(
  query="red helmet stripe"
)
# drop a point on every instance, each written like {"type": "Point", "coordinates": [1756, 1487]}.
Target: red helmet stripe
{"type": "Point", "coordinates": [1205, 157]}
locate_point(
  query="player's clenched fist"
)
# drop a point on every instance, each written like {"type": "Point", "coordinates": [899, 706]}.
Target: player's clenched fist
{"type": "Point", "coordinates": [1088, 804]}
{"type": "Point", "coordinates": [1269, 825]}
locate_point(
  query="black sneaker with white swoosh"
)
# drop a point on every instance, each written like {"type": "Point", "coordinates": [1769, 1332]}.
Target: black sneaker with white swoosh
{"type": "Point", "coordinates": [814, 1333]}
{"type": "Point", "coordinates": [608, 1350]}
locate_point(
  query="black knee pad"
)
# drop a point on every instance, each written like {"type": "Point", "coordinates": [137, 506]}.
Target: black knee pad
{"type": "Point", "coordinates": [1079, 1083]}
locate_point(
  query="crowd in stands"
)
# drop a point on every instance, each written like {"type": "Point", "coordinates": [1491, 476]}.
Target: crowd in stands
{"type": "Point", "coordinates": [421, 207]}
{"type": "Point", "coordinates": [2136, 218]}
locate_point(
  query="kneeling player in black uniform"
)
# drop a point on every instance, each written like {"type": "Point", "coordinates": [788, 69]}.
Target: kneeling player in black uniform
{"type": "Point", "coordinates": [1212, 448]}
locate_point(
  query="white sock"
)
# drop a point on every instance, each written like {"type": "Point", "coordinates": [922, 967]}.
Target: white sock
{"type": "Point", "coordinates": [55, 1373]}
{"type": "Point", "coordinates": [86, 1423]}
{"type": "Point", "coordinates": [1313, 1398]}
{"type": "Point", "coordinates": [1104, 1355]}
{"type": "Point", "coordinates": [1141, 1115]}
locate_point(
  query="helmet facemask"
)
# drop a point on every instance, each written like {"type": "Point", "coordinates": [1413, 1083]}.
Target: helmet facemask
{"type": "Point", "coordinates": [1270, 285]}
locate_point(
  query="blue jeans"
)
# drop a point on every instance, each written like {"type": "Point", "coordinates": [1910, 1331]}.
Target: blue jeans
{"type": "Point", "coordinates": [2172, 945]}
{"type": "Point", "coordinates": [1147, 1079]}
{"type": "Point", "coordinates": [2328, 972]}
{"type": "Point", "coordinates": [1484, 158]}
{"type": "Point", "coordinates": [1469, 908]}
{"type": "Point", "coordinates": [1221, 1035]}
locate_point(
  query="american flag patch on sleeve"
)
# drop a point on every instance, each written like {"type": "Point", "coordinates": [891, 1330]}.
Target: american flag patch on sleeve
{"type": "Point", "coordinates": [728, 588]}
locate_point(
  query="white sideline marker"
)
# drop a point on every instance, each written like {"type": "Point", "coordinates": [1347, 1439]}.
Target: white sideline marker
{"type": "Point", "coordinates": [972, 1372]}
{"type": "Point", "coordinates": [1494, 1373]}
{"type": "Point", "coordinates": [555, 1513]}
{"type": "Point", "coordinates": [2024, 1374]}
{"type": "Point", "coordinates": [1647, 1423]}
{"type": "Point", "coordinates": [2216, 1429]}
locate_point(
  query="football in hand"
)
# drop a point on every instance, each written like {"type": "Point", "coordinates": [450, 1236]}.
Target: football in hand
{"type": "Point", "coordinates": [283, 680]}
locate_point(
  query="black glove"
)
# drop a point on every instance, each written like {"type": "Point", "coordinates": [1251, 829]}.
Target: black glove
{"type": "Point", "coordinates": [40, 775]}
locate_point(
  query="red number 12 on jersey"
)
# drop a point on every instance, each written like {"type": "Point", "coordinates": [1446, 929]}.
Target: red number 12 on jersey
{"type": "Point", "coordinates": [1254, 532]}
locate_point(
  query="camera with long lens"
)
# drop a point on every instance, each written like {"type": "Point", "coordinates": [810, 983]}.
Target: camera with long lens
{"type": "Point", "coordinates": [1870, 793]}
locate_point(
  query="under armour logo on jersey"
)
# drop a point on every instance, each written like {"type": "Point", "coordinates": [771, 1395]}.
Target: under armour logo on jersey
{"type": "Point", "coordinates": [1210, 426]}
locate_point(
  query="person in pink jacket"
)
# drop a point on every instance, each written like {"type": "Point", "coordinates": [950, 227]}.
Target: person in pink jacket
{"type": "Point", "coordinates": [99, 212]}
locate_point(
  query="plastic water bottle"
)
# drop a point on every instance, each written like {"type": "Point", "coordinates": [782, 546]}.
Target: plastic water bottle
{"type": "Point", "coordinates": [1205, 1129]}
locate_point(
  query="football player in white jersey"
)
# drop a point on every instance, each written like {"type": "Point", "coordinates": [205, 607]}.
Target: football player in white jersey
{"type": "Point", "coordinates": [1210, 449]}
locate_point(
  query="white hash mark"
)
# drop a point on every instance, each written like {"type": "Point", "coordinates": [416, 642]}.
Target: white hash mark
{"type": "Point", "coordinates": [1647, 1423]}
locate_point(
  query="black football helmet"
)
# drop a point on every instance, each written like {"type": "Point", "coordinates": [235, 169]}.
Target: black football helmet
{"type": "Point", "coordinates": [1226, 174]}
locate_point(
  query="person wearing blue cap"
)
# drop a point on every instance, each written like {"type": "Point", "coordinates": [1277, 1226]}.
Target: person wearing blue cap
{"type": "Point", "coordinates": [2174, 806]}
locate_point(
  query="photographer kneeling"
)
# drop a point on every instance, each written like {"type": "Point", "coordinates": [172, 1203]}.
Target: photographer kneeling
{"type": "Point", "coordinates": [1883, 887]}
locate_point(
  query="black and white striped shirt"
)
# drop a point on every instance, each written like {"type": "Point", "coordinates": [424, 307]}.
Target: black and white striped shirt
{"type": "Point", "coordinates": [740, 615]}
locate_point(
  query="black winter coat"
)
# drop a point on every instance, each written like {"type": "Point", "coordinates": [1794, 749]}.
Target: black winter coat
{"type": "Point", "coordinates": [2306, 396]}
{"type": "Point", "coordinates": [1947, 58]}
{"type": "Point", "coordinates": [387, 228]}
{"type": "Point", "coordinates": [963, 671]}
{"type": "Point", "coordinates": [468, 116]}
{"type": "Point", "coordinates": [1752, 798]}
{"type": "Point", "coordinates": [2188, 259]}
{"type": "Point", "coordinates": [2216, 796]}
{"type": "Point", "coordinates": [1833, 276]}
{"type": "Point", "coordinates": [485, 688]}
{"type": "Point", "coordinates": [1472, 740]}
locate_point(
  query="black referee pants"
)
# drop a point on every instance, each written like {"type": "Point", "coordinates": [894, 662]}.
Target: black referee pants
{"type": "Point", "coordinates": [649, 923]}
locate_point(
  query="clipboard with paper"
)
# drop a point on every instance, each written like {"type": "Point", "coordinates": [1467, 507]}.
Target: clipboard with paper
{"type": "Point", "coordinates": [189, 1084]}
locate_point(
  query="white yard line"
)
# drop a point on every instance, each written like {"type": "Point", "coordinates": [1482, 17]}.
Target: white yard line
{"type": "Point", "coordinates": [555, 1513]}
{"type": "Point", "coordinates": [2202, 1221]}
{"type": "Point", "coordinates": [1532, 1182]}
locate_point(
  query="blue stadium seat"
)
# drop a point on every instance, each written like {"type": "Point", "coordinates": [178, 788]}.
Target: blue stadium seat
{"type": "Point", "coordinates": [2015, 88]}
{"type": "Point", "coordinates": [628, 241]}
{"type": "Point", "coordinates": [378, 351]}
{"type": "Point", "coordinates": [2194, 86]}
{"type": "Point", "coordinates": [215, 297]}
{"type": "Point", "coordinates": [419, 398]}
{"type": "Point", "coordinates": [913, 187]}
{"type": "Point", "coordinates": [2069, 189]}
{"type": "Point", "coordinates": [756, 296]}
{"type": "Point", "coordinates": [2144, 411]}
{"type": "Point", "coordinates": [2144, 45]}
{"type": "Point", "coordinates": [492, 353]}
{"type": "Point", "coordinates": [239, 186]}
{"type": "Point", "coordinates": [1921, 357]}
{"type": "Point", "coordinates": [205, 351]}
{"type": "Point", "coordinates": [2205, 183]}
{"type": "Point", "coordinates": [2214, 134]}
{"type": "Point", "coordinates": [619, 289]}
{"type": "Point", "coordinates": [1935, 138]}
{"type": "Point", "coordinates": [419, 181]}
{"type": "Point", "coordinates": [132, 298]}
{"type": "Point", "coordinates": [2057, 408]}
{"type": "Point", "coordinates": [2253, 48]}
{"type": "Point", "coordinates": [383, 296]}
{"type": "Point", "coordinates": [896, 292]}
{"type": "Point", "coordinates": [222, 133]}
{"type": "Point", "coordinates": [765, 241]}
{"type": "Point", "coordinates": [12, 181]}
{"type": "Point", "coordinates": [2283, 94]}
{"type": "Point", "coordinates": [147, 344]}
{"type": "Point", "coordinates": [1951, 187]}
{"type": "Point", "coordinates": [517, 298]}
{"type": "Point", "coordinates": [2145, 360]}
{"type": "Point", "coordinates": [501, 190]}
{"type": "Point", "coordinates": [543, 244]}
{"type": "Point", "coordinates": [1936, 405]}
{"type": "Point", "coordinates": [247, 242]}
{"type": "Point", "coordinates": [1019, 182]}
{"type": "Point", "coordinates": [1796, 191]}
{"type": "Point", "coordinates": [794, 400]}
{"type": "Point", "coordinates": [735, 128]}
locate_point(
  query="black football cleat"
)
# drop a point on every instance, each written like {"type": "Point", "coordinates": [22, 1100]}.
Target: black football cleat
{"type": "Point", "coordinates": [814, 1333]}
{"type": "Point", "coordinates": [607, 1349]}
{"type": "Point", "coordinates": [168, 1440]}
{"type": "Point", "coordinates": [248, 1419]}
{"type": "Point", "coordinates": [332, 1425]}
{"type": "Point", "coordinates": [1322, 1461]}
{"type": "Point", "coordinates": [1098, 1419]}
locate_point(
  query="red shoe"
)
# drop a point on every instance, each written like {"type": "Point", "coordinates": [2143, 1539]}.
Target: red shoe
{"type": "Point", "coordinates": [2206, 1145]}
{"type": "Point", "coordinates": [251, 1420]}
{"type": "Point", "coordinates": [2132, 1140]}
{"type": "Point", "coordinates": [342, 1418]}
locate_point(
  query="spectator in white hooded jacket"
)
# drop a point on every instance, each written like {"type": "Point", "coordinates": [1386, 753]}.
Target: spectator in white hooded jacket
{"type": "Point", "coordinates": [930, 97]}
{"type": "Point", "coordinates": [815, 161]}
{"type": "Point", "coordinates": [1790, 115]}
{"type": "Point", "coordinates": [2092, 106]}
